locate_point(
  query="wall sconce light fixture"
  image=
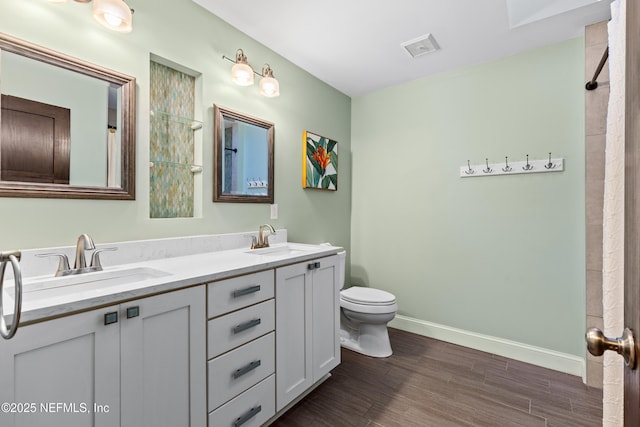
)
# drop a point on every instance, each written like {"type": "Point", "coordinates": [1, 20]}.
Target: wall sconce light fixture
{"type": "Point", "coordinates": [115, 15]}
{"type": "Point", "coordinates": [269, 86]}
{"type": "Point", "coordinates": [242, 74]}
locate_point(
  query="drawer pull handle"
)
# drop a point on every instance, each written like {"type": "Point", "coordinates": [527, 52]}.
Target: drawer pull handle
{"type": "Point", "coordinates": [246, 291]}
{"type": "Point", "coordinates": [133, 312]}
{"type": "Point", "coordinates": [313, 265]}
{"type": "Point", "coordinates": [246, 417]}
{"type": "Point", "coordinates": [245, 370]}
{"type": "Point", "coordinates": [247, 325]}
{"type": "Point", "coordinates": [110, 318]}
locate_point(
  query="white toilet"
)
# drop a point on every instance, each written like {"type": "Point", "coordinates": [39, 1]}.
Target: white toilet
{"type": "Point", "coordinates": [364, 314]}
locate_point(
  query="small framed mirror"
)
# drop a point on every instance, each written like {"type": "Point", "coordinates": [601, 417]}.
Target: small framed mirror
{"type": "Point", "coordinates": [243, 156]}
{"type": "Point", "coordinates": [67, 126]}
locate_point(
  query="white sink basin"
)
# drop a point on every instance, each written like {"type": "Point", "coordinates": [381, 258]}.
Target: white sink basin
{"type": "Point", "coordinates": [281, 250]}
{"type": "Point", "coordinates": [52, 287]}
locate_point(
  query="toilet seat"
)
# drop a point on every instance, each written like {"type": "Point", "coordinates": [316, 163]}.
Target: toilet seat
{"type": "Point", "coordinates": [368, 300]}
{"type": "Point", "coordinates": [367, 296]}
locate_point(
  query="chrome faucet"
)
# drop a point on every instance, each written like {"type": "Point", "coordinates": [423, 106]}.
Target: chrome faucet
{"type": "Point", "coordinates": [84, 243]}
{"type": "Point", "coordinates": [263, 241]}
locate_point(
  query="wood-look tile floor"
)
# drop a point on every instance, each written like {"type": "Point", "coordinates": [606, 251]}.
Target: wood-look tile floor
{"type": "Point", "coordinates": [427, 382]}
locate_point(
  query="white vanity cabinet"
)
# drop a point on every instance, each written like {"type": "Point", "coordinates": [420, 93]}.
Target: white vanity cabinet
{"type": "Point", "coordinates": [163, 353]}
{"type": "Point", "coordinates": [307, 326]}
{"type": "Point", "coordinates": [241, 350]}
{"type": "Point", "coordinates": [140, 363]}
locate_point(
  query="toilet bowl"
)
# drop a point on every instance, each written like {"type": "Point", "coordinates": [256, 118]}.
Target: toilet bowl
{"type": "Point", "coordinates": [364, 314]}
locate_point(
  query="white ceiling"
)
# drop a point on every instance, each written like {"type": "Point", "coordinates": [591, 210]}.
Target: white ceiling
{"type": "Point", "coordinates": [355, 45]}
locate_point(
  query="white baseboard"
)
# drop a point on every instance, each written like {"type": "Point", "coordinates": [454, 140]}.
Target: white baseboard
{"type": "Point", "coordinates": [539, 356]}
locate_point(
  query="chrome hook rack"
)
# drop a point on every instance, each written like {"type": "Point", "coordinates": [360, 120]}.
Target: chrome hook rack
{"type": "Point", "coordinates": [550, 164]}
{"type": "Point", "coordinates": [488, 169]}
{"type": "Point", "coordinates": [513, 168]}
{"type": "Point", "coordinates": [469, 171]}
{"type": "Point", "coordinates": [507, 168]}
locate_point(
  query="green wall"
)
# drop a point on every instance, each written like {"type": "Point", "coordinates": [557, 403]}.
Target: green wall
{"type": "Point", "coordinates": [501, 256]}
{"type": "Point", "coordinates": [182, 32]}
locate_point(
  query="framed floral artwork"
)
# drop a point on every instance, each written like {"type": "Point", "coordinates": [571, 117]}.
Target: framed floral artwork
{"type": "Point", "coordinates": [319, 162]}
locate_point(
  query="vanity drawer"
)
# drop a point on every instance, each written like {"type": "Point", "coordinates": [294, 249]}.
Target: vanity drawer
{"type": "Point", "coordinates": [228, 295]}
{"type": "Point", "coordinates": [236, 371]}
{"type": "Point", "coordinates": [230, 331]}
{"type": "Point", "coordinates": [251, 409]}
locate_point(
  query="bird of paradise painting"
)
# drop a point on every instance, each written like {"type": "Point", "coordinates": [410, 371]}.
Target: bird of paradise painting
{"type": "Point", "coordinates": [320, 162]}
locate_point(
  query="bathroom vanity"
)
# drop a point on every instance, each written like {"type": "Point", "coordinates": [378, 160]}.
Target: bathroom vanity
{"type": "Point", "coordinates": [229, 337]}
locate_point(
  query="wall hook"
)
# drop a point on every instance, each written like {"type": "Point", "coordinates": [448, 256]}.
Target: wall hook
{"type": "Point", "coordinates": [507, 168]}
{"type": "Point", "coordinates": [488, 169]}
{"type": "Point", "coordinates": [528, 166]}
{"type": "Point", "coordinates": [469, 171]}
{"type": "Point", "coordinates": [549, 165]}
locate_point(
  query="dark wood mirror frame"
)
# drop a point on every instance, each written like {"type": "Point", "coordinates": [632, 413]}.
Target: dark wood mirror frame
{"type": "Point", "coordinates": [126, 191]}
{"type": "Point", "coordinates": [219, 114]}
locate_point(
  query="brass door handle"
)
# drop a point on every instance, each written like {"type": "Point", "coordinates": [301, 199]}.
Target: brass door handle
{"type": "Point", "coordinates": [625, 346]}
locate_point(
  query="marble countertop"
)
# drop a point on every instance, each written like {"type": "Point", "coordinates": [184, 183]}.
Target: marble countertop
{"type": "Point", "coordinates": [160, 275]}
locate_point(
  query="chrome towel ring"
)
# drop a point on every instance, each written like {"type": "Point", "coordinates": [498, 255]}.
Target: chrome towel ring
{"type": "Point", "coordinates": [14, 258]}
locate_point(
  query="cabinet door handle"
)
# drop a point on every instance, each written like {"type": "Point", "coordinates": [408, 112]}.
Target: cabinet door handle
{"type": "Point", "coordinates": [111, 317]}
{"type": "Point", "coordinates": [316, 265]}
{"type": "Point", "coordinates": [311, 266]}
{"type": "Point", "coordinates": [133, 312]}
{"type": "Point", "coordinates": [246, 417]}
{"type": "Point", "coordinates": [246, 369]}
{"type": "Point", "coordinates": [247, 325]}
{"type": "Point", "coordinates": [246, 291]}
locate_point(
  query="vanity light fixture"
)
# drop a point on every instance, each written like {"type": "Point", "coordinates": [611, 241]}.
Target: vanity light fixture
{"type": "Point", "coordinates": [241, 72]}
{"type": "Point", "coordinates": [115, 15]}
{"type": "Point", "coordinates": [242, 75]}
{"type": "Point", "coordinates": [269, 86]}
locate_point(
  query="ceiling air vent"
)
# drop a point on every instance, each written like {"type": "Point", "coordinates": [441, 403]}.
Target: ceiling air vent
{"type": "Point", "coordinates": [421, 45]}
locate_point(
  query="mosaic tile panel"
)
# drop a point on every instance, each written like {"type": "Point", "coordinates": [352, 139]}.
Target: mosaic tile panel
{"type": "Point", "coordinates": [171, 142]}
{"type": "Point", "coordinates": [171, 190]}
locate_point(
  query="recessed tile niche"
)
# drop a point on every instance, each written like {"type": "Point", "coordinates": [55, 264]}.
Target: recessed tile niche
{"type": "Point", "coordinates": [175, 158]}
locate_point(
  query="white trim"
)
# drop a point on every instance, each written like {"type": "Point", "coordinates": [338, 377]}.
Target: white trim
{"type": "Point", "coordinates": [539, 356]}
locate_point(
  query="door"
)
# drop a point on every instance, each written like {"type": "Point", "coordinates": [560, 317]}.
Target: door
{"type": "Point", "coordinates": [632, 207]}
{"type": "Point", "coordinates": [293, 332]}
{"type": "Point", "coordinates": [627, 345]}
{"type": "Point", "coordinates": [63, 373]}
{"type": "Point", "coordinates": [163, 360]}
{"type": "Point", "coordinates": [35, 141]}
{"type": "Point", "coordinates": [326, 317]}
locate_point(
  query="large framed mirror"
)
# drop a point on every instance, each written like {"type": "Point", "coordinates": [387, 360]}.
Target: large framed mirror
{"type": "Point", "coordinates": [243, 155]}
{"type": "Point", "coordinates": [67, 126]}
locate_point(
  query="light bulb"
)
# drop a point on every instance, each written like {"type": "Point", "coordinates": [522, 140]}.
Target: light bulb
{"type": "Point", "coordinates": [112, 20]}
{"type": "Point", "coordinates": [113, 14]}
{"type": "Point", "coordinates": [242, 74]}
{"type": "Point", "coordinates": [269, 86]}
